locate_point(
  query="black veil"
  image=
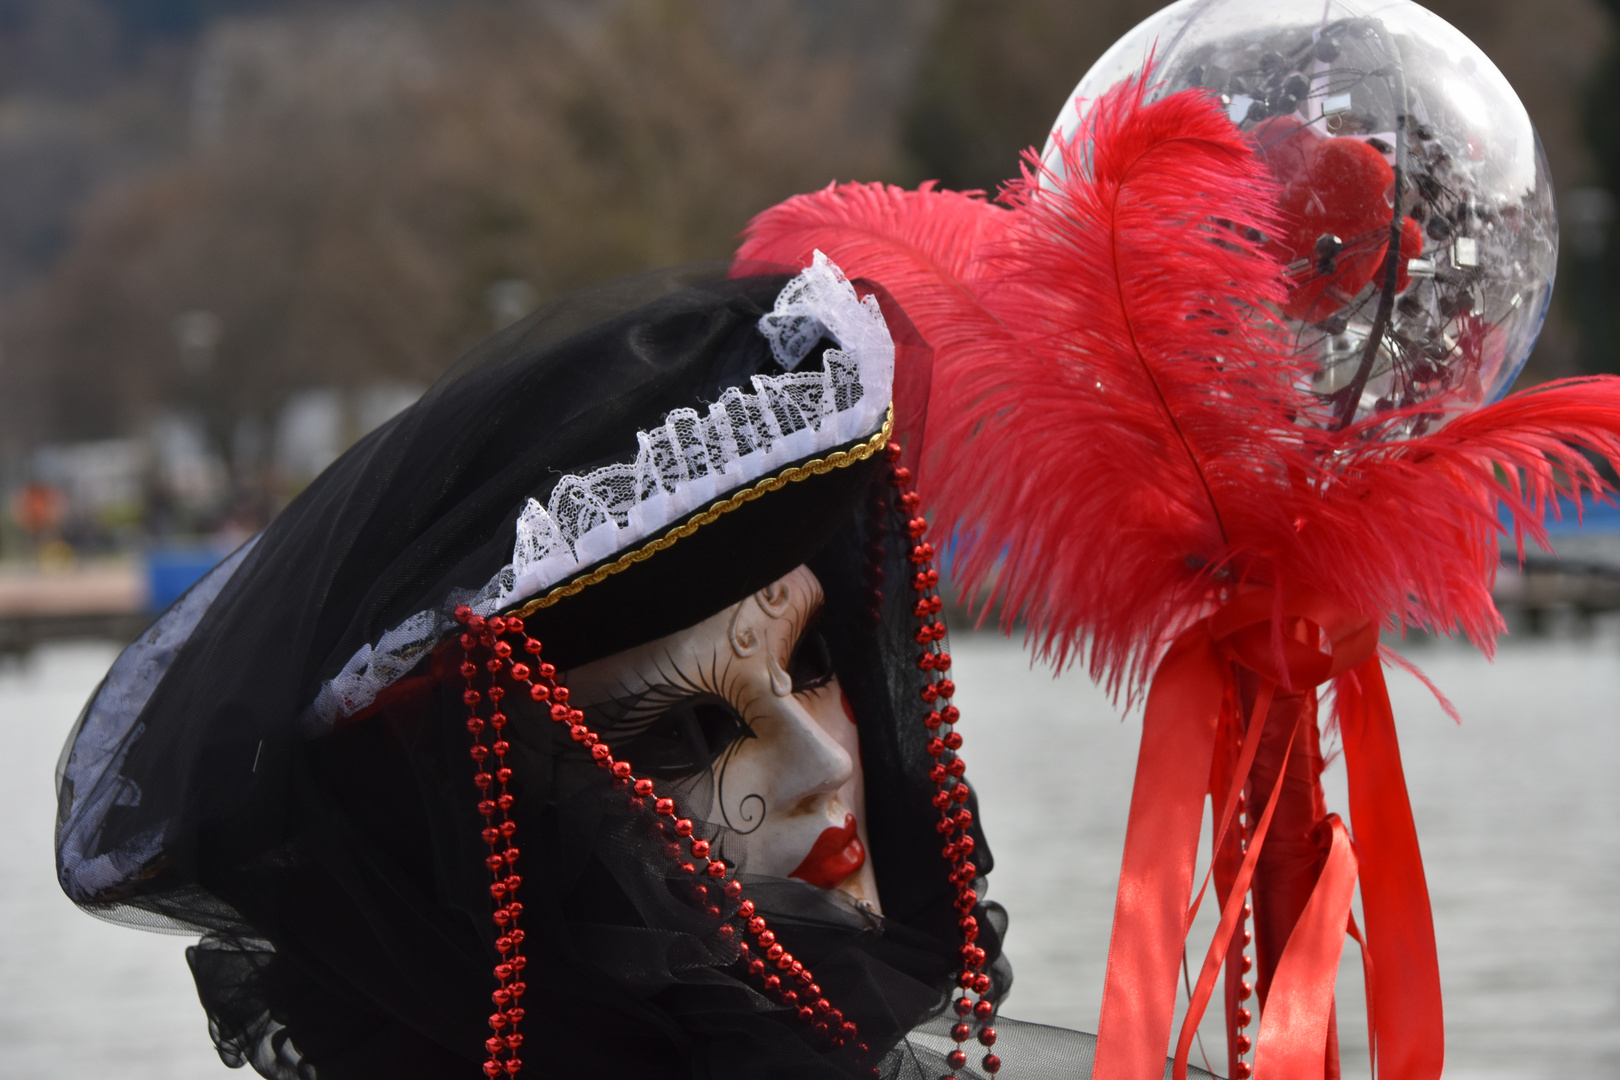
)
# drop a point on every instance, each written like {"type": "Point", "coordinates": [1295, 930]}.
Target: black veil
{"type": "Point", "coordinates": [334, 871]}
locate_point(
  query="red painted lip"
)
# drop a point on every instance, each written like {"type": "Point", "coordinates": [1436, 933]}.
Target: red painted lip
{"type": "Point", "coordinates": [837, 853]}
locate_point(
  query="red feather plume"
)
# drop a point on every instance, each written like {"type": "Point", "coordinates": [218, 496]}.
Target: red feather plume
{"type": "Point", "coordinates": [1119, 432]}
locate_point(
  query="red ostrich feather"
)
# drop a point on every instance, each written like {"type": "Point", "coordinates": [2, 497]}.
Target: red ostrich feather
{"type": "Point", "coordinates": [1117, 432]}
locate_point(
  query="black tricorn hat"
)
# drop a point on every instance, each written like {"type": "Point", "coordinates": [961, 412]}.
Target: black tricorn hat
{"type": "Point", "coordinates": [562, 469]}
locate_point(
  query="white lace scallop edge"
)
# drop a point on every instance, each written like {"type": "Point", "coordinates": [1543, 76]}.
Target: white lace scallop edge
{"type": "Point", "coordinates": [687, 463]}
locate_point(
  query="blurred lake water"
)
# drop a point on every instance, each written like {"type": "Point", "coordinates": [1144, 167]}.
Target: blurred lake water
{"type": "Point", "coordinates": [1518, 811]}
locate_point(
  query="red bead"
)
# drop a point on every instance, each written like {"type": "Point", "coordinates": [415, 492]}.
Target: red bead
{"type": "Point", "coordinates": [520, 672]}
{"type": "Point", "coordinates": [539, 692]}
{"type": "Point", "coordinates": [601, 753]}
{"type": "Point", "coordinates": [532, 646]}
{"type": "Point", "coordinates": [503, 944]}
{"type": "Point", "coordinates": [462, 613]}
{"type": "Point", "coordinates": [773, 982]}
{"type": "Point", "coordinates": [1245, 990]}
{"type": "Point", "coordinates": [805, 1013]}
{"type": "Point", "coordinates": [505, 802]}
{"type": "Point", "coordinates": [486, 807]}
{"type": "Point", "coordinates": [494, 1044]}
{"type": "Point", "coordinates": [482, 780]}
{"type": "Point", "coordinates": [688, 868]}
{"type": "Point", "coordinates": [474, 725]}
{"type": "Point", "coordinates": [965, 845]}
{"type": "Point", "coordinates": [468, 669]}
{"type": "Point", "coordinates": [963, 1006]}
{"type": "Point", "coordinates": [501, 746]}
{"type": "Point", "coordinates": [983, 1010]}
{"type": "Point", "coordinates": [941, 800]}
{"type": "Point", "coordinates": [969, 926]}
{"type": "Point", "coordinates": [987, 1037]}
{"type": "Point", "coordinates": [493, 664]}
{"type": "Point", "coordinates": [959, 792]}
{"type": "Point", "coordinates": [981, 984]}
{"type": "Point", "coordinates": [621, 769]}
{"type": "Point", "coordinates": [932, 721]}
{"type": "Point", "coordinates": [916, 527]}
{"type": "Point", "coordinates": [517, 936]}
{"type": "Point", "coordinates": [471, 697]}
{"type": "Point", "coordinates": [929, 693]}
{"type": "Point", "coordinates": [733, 888]}
{"type": "Point", "coordinates": [467, 642]}
{"type": "Point", "coordinates": [901, 477]}
{"type": "Point", "coordinates": [961, 1032]}
{"type": "Point", "coordinates": [508, 828]}
{"type": "Point", "coordinates": [936, 747]}
{"type": "Point", "coordinates": [700, 848]}
{"type": "Point", "coordinates": [910, 501]}
{"type": "Point", "coordinates": [1246, 964]}
{"type": "Point", "coordinates": [957, 767]}
{"type": "Point", "coordinates": [757, 967]}
{"type": "Point", "coordinates": [492, 1068]}
{"type": "Point", "coordinates": [893, 450]}
{"type": "Point", "coordinates": [744, 909]}
{"type": "Point", "coordinates": [503, 650]}
{"type": "Point", "coordinates": [683, 827]}
{"type": "Point", "coordinates": [520, 962]}
{"type": "Point", "coordinates": [1242, 1018]}
{"type": "Point", "coordinates": [559, 713]}
{"type": "Point", "coordinates": [494, 862]}
{"type": "Point", "coordinates": [547, 671]}
{"type": "Point", "coordinates": [1242, 1043]}
{"type": "Point", "coordinates": [665, 807]}
{"type": "Point", "coordinates": [956, 1059]}
{"type": "Point", "coordinates": [946, 688]}
{"type": "Point", "coordinates": [1242, 1071]}
{"type": "Point", "coordinates": [766, 938]}
{"type": "Point", "coordinates": [726, 930]}
{"type": "Point", "coordinates": [644, 788]}
{"type": "Point", "coordinates": [513, 1041]}
{"type": "Point", "coordinates": [513, 1066]}
{"type": "Point", "coordinates": [775, 952]}
{"type": "Point", "coordinates": [943, 662]}
{"type": "Point", "coordinates": [516, 1015]}
{"type": "Point", "coordinates": [495, 694]}
{"type": "Point", "coordinates": [503, 971]}
{"type": "Point", "coordinates": [964, 818]}
{"type": "Point", "coordinates": [503, 774]}
{"type": "Point", "coordinates": [992, 1064]}
{"type": "Point", "coordinates": [497, 1020]}
{"type": "Point", "coordinates": [561, 694]}
{"type": "Point", "coordinates": [950, 714]}
{"type": "Point", "coordinates": [937, 775]}
{"type": "Point", "coordinates": [1247, 937]}
{"type": "Point", "coordinates": [953, 741]}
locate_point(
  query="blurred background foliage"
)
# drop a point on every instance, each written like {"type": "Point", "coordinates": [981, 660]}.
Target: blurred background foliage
{"type": "Point", "coordinates": [235, 234]}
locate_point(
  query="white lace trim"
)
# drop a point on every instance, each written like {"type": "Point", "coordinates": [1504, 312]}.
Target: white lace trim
{"type": "Point", "coordinates": [686, 464]}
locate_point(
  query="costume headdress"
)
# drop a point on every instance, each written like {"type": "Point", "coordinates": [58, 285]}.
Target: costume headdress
{"type": "Point", "coordinates": [326, 757]}
{"type": "Point", "coordinates": [1211, 406]}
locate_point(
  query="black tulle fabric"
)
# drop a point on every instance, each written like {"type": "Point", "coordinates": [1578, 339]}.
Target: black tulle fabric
{"type": "Point", "coordinates": [337, 881]}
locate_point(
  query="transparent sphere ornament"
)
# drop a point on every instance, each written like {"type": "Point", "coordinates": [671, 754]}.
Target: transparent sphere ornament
{"type": "Point", "coordinates": [1418, 226]}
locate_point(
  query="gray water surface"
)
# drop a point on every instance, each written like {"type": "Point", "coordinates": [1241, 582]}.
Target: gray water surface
{"type": "Point", "coordinates": [1518, 810]}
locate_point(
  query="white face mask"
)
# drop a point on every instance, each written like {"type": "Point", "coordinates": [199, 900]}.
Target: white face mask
{"type": "Point", "coordinates": [759, 688]}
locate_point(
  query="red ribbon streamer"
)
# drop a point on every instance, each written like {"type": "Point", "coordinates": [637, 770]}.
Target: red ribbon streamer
{"type": "Point", "coordinates": [1177, 759]}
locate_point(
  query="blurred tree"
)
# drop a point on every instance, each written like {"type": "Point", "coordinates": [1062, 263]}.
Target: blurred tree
{"type": "Point", "coordinates": [359, 177]}
{"type": "Point", "coordinates": [1598, 256]}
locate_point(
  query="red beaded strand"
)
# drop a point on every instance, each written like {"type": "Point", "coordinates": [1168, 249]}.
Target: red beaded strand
{"type": "Point", "coordinates": [495, 806]}
{"type": "Point", "coordinates": [1241, 1044]}
{"type": "Point", "coordinates": [951, 791]}
{"type": "Point", "coordinates": [540, 680]}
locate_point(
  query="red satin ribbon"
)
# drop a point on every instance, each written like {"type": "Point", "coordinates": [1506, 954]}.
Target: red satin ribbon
{"type": "Point", "coordinates": [1151, 916]}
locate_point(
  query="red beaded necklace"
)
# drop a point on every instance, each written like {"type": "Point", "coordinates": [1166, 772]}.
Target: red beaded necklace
{"type": "Point", "coordinates": [783, 977]}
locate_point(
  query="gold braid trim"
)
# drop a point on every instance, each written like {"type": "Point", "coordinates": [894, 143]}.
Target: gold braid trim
{"type": "Point", "coordinates": [816, 467]}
